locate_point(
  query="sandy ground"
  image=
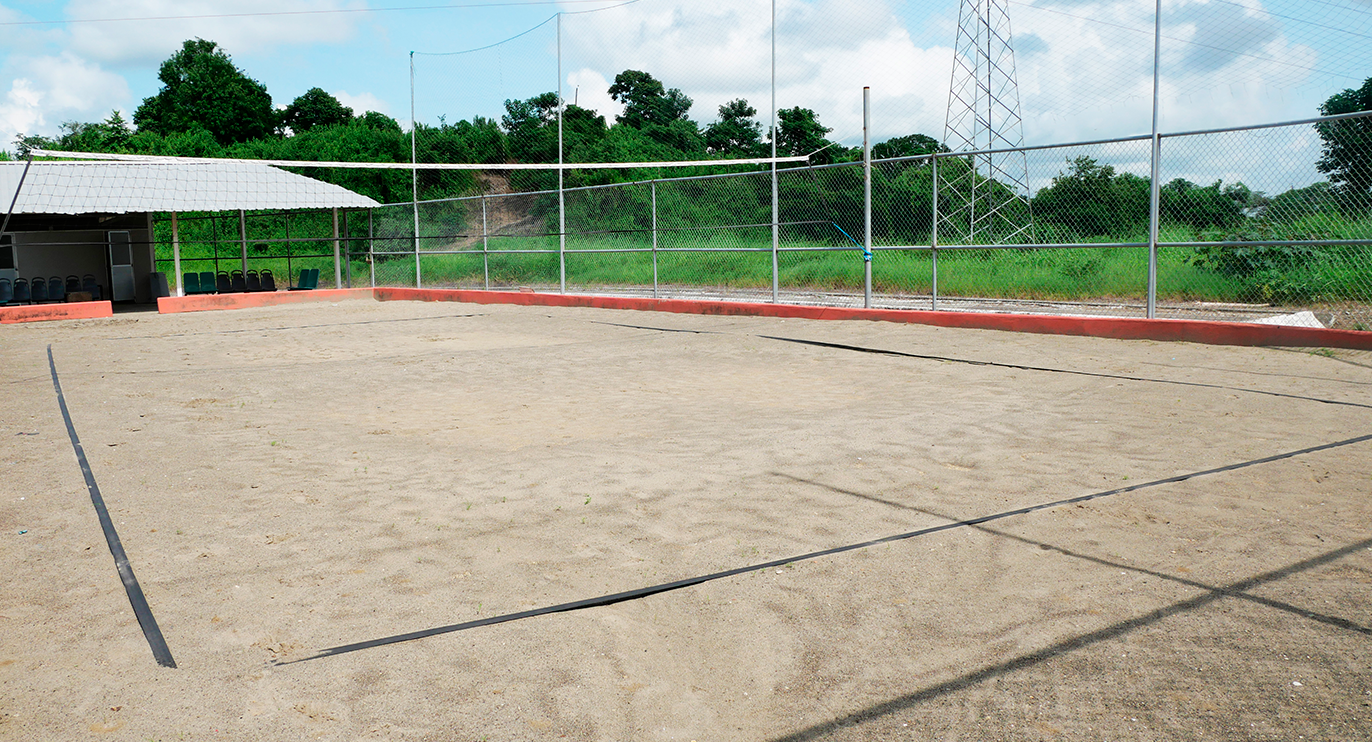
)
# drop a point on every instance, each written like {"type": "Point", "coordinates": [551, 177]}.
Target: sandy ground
{"type": "Point", "coordinates": [291, 479]}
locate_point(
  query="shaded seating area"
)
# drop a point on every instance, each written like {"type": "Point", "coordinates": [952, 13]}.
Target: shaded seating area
{"type": "Point", "coordinates": [40, 290]}
{"type": "Point", "coordinates": [239, 282]}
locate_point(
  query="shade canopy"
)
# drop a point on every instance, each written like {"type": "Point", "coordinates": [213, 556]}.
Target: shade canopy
{"type": "Point", "coordinates": [129, 187]}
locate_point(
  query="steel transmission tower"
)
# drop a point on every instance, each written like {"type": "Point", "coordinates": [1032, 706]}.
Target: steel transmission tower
{"type": "Point", "coordinates": [987, 195]}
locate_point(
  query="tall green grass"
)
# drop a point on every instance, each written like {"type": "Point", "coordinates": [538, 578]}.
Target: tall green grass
{"type": "Point", "coordinates": [1323, 274]}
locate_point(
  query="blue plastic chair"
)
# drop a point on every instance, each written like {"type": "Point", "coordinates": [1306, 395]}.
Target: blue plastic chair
{"type": "Point", "coordinates": [40, 290]}
{"type": "Point", "coordinates": [89, 286]}
{"type": "Point", "coordinates": [57, 291]}
{"type": "Point", "coordinates": [6, 291]}
{"type": "Point", "coordinates": [21, 291]}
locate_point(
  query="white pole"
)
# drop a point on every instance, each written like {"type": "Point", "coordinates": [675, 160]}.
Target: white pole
{"type": "Point", "coordinates": [414, 177]}
{"type": "Point", "coordinates": [485, 246]}
{"type": "Point", "coordinates": [337, 265]}
{"type": "Point", "coordinates": [867, 197]}
{"type": "Point", "coordinates": [776, 211]}
{"type": "Point", "coordinates": [653, 192]}
{"type": "Point", "coordinates": [176, 257]}
{"type": "Point", "coordinates": [243, 239]}
{"type": "Point", "coordinates": [561, 200]}
{"type": "Point", "coordinates": [1154, 193]}
{"type": "Point", "coordinates": [371, 249]}
{"type": "Point", "coordinates": [933, 242]}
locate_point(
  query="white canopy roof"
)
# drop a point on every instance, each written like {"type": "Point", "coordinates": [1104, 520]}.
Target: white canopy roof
{"type": "Point", "coordinates": [137, 187]}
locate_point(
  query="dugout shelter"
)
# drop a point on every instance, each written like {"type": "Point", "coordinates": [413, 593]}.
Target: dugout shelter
{"type": "Point", "coordinates": [95, 218]}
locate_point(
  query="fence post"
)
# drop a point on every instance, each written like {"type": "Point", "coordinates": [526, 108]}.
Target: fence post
{"type": "Point", "coordinates": [561, 197]}
{"type": "Point", "coordinates": [485, 246]}
{"type": "Point", "coordinates": [176, 257]}
{"type": "Point", "coordinates": [653, 188]}
{"type": "Point", "coordinates": [243, 238]}
{"type": "Point", "coordinates": [414, 174]}
{"type": "Point", "coordinates": [371, 249]}
{"type": "Point", "coordinates": [867, 198]}
{"type": "Point", "coordinates": [933, 242]}
{"type": "Point", "coordinates": [337, 266]}
{"type": "Point", "coordinates": [1156, 157]}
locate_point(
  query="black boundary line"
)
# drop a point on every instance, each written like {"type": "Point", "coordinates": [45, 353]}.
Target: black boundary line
{"type": "Point", "coordinates": [160, 652]}
{"type": "Point", "coordinates": [656, 329]}
{"type": "Point", "coordinates": [294, 327]}
{"type": "Point", "coordinates": [826, 729]}
{"type": "Point", "coordinates": [644, 592]}
{"type": "Point", "coordinates": [1095, 374]}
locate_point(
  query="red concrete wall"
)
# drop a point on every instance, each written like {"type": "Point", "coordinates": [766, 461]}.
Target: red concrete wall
{"type": "Point", "coordinates": [1214, 333]}
{"type": "Point", "coordinates": [45, 312]}
{"type": "Point", "coordinates": [211, 302]}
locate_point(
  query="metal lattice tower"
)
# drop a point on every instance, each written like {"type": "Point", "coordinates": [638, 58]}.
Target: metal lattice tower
{"type": "Point", "coordinates": [987, 195]}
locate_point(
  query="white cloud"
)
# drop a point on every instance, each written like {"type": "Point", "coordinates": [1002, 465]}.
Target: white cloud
{"type": "Point", "coordinates": [362, 102]}
{"type": "Point", "coordinates": [21, 112]}
{"type": "Point", "coordinates": [589, 89]}
{"type": "Point", "coordinates": [827, 51]}
{"type": "Point", "coordinates": [280, 23]}
{"type": "Point", "coordinates": [1084, 66]}
{"type": "Point", "coordinates": [52, 89]}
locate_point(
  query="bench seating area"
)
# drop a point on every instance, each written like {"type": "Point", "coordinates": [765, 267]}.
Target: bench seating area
{"type": "Point", "coordinates": [52, 290]}
{"type": "Point", "coordinates": [238, 282]}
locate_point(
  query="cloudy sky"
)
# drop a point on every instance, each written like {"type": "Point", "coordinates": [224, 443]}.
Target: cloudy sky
{"type": "Point", "coordinates": [1084, 68]}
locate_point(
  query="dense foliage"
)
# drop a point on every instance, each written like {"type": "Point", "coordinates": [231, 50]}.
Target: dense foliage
{"type": "Point", "coordinates": [1347, 154]}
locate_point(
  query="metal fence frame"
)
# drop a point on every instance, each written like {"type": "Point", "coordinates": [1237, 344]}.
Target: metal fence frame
{"type": "Point", "coordinates": [346, 245]}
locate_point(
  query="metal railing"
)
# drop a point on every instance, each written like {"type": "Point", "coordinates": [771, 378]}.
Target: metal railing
{"type": "Point", "coordinates": [1224, 249]}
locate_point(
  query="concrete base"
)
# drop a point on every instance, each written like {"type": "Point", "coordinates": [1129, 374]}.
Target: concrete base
{"type": "Point", "coordinates": [1170, 330]}
{"type": "Point", "coordinates": [211, 302]}
{"type": "Point", "coordinates": [47, 312]}
{"type": "Point", "coordinates": [1167, 330]}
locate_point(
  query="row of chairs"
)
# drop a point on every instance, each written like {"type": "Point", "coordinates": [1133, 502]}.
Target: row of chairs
{"type": "Point", "coordinates": [238, 282]}
{"type": "Point", "coordinates": [225, 282]}
{"type": "Point", "coordinates": [42, 290]}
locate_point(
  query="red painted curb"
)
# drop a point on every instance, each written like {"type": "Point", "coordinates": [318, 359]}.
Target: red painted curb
{"type": "Point", "coordinates": [211, 302]}
{"type": "Point", "coordinates": [1171, 330]}
{"type": "Point", "coordinates": [46, 312]}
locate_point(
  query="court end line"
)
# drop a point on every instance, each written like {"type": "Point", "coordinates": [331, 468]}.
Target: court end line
{"type": "Point", "coordinates": [151, 632]}
{"type": "Point", "coordinates": [1095, 374]}
{"type": "Point", "coordinates": [643, 592]}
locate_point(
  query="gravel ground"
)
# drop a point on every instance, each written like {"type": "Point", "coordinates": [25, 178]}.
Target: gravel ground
{"type": "Point", "coordinates": [293, 479]}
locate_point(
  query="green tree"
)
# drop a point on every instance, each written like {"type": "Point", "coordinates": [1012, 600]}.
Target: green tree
{"type": "Point", "coordinates": [531, 126]}
{"type": "Point", "coordinates": [800, 133]}
{"type": "Point", "coordinates": [1093, 201]}
{"type": "Point", "coordinates": [315, 108]}
{"type": "Point", "coordinates": [646, 101]}
{"type": "Point", "coordinates": [111, 135]}
{"type": "Point", "coordinates": [202, 89]}
{"type": "Point", "coordinates": [1347, 150]}
{"type": "Point", "coordinates": [911, 145]}
{"type": "Point", "coordinates": [737, 133]}
{"type": "Point", "coordinates": [1203, 207]}
{"type": "Point", "coordinates": [660, 113]}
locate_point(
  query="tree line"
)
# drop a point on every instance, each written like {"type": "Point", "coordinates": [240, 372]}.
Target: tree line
{"type": "Point", "coordinates": [208, 107]}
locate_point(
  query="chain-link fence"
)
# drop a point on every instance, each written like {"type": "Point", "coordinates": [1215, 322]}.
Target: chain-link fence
{"type": "Point", "coordinates": [1237, 237]}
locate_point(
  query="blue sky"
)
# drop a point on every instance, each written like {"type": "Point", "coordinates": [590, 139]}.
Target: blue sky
{"type": "Point", "coordinates": [1084, 67]}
